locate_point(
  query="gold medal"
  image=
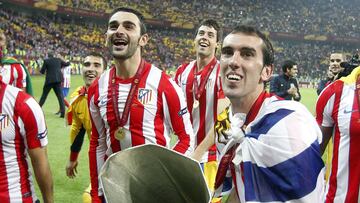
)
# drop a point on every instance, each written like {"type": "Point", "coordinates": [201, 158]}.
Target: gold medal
{"type": "Point", "coordinates": [119, 133]}
{"type": "Point", "coordinates": [196, 104]}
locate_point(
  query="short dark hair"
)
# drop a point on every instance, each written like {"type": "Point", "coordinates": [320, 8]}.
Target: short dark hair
{"type": "Point", "coordinates": [96, 54]}
{"type": "Point", "coordinates": [135, 12]}
{"type": "Point", "coordinates": [268, 50]}
{"type": "Point", "coordinates": [50, 54]}
{"type": "Point", "coordinates": [212, 23]}
{"type": "Point", "coordinates": [288, 64]}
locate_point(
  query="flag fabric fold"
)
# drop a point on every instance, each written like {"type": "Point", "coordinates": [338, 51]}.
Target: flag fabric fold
{"type": "Point", "coordinates": [279, 158]}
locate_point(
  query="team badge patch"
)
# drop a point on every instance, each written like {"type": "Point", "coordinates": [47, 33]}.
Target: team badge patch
{"type": "Point", "coordinates": [182, 111]}
{"type": "Point", "coordinates": [42, 135]}
{"type": "Point", "coordinates": [144, 95]}
{"type": "Point", "coordinates": [4, 121]}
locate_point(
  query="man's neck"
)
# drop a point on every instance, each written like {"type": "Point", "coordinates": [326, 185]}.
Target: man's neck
{"type": "Point", "coordinates": [243, 105]}
{"type": "Point", "coordinates": [202, 61]}
{"type": "Point", "coordinates": [289, 76]}
{"type": "Point", "coordinates": [127, 68]}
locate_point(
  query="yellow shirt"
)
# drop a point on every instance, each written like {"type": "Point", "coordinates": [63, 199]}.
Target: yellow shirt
{"type": "Point", "coordinates": [80, 120]}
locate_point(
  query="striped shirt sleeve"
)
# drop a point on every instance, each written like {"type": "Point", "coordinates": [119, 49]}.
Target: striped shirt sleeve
{"type": "Point", "coordinates": [98, 145]}
{"type": "Point", "coordinates": [325, 106]}
{"type": "Point", "coordinates": [20, 78]}
{"type": "Point", "coordinates": [176, 113]}
{"type": "Point", "coordinates": [31, 121]}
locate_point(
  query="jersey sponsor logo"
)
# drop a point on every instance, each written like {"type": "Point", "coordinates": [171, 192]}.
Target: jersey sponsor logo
{"type": "Point", "coordinates": [349, 111]}
{"type": "Point", "coordinates": [183, 111]}
{"type": "Point", "coordinates": [4, 121]}
{"type": "Point", "coordinates": [42, 135]}
{"type": "Point", "coordinates": [27, 194]}
{"type": "Point", "coordinates": [144, 95]}
{"type": "Point", "coordinates": [103, 102]}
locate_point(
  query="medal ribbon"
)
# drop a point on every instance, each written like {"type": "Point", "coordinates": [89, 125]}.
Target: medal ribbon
{"type": "Point", "coordinates": [198, 90]}
{"type": "Point", "coordinates": [115, 94]}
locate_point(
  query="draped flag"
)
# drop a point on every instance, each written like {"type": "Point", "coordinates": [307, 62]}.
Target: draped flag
{"type": "Point", "coordinates": [279, 158]}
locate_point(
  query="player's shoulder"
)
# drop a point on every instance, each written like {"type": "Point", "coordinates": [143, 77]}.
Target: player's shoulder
{"type": "Point", "coordinates": [17, 95]}
{"type": "Point", "coordinates": [9, 60]}
{"type": "Point", "coordinates": [76, 92]}
{"type": "Point", "coordinates": [274, 104]}
{"type": "Point", "coordinates": [185, 66]}
{"type": "Point", "coordinates": [331, 89]}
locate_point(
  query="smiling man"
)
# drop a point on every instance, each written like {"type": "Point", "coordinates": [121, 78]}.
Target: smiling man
{"type": "Point", "coordinates": [134, 102]}
{"type": "Point", "coordinates": [286, 85]}
{"type": "Point", "coordinates": [200, 82]}
{"type": "Point", "coordinates": [78, 116]}
{"type": "Point", "coordinates": [272, 145]}
{"type": "Point", "coordinates": [335, 60]}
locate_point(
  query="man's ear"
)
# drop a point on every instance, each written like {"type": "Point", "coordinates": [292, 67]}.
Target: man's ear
{"type": "Point", "coordinates": [267, 72]}
{"type": "Point", "coordinates": [144, 40]}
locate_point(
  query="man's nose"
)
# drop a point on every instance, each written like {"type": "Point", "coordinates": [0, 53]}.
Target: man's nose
{"type": "Point", "coordinates": [235, 60]}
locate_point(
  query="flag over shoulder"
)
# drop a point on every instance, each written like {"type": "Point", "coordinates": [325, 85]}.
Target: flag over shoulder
{"type": "Point", "coordinates": [152, 173]}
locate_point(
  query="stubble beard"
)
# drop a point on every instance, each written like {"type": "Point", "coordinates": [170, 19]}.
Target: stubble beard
{"type": "Point", "coordinates": [129, 51]}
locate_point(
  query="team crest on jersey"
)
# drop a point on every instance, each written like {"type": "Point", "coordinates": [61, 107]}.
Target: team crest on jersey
{"type": "Point", "coordinates": [144, 95]}
{"type": "Point", "coordinates": [4, 121]}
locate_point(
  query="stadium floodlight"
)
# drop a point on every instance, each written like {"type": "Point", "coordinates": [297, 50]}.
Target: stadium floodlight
{"type": "Point", "coordinates": [151, 173]}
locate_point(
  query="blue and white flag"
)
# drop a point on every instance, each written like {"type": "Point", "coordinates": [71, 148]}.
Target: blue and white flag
{"type": "Point", "coordinates": [279, 159]}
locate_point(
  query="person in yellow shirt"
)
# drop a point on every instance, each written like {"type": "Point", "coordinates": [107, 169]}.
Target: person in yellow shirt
{"type": "Point", "coordinates": [78, 114]}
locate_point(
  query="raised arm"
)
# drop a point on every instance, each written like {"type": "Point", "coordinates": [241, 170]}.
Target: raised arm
{"type": "Point", "coordinates": [209, 140]}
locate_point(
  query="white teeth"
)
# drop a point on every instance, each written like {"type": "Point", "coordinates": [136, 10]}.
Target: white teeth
{"type": "Point", "coordinates": [203, 44]}
{"type": "Point", "coordinates": [233, 77]}
{"type": "Point", "coordinates": [91, 75]}
{"type": "Point", "coordinates": [120, 41]}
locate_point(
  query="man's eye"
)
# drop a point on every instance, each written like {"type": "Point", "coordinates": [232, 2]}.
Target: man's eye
{"type": "Point", "coordinates": [227, 52]}
{"type": "Point", "coordinates": [113, 27]}
{"type": "Point", "coordinates": [247, 54]}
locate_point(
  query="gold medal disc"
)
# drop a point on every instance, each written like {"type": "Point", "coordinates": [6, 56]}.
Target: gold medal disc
{"type": "Point", "coordinates": [120, 133]}
{"type": "Point", "coordinates": [196, 104]}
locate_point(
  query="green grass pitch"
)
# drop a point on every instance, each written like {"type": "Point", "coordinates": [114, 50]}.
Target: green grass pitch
{"type": "Point", "coordinates": [70, 190]}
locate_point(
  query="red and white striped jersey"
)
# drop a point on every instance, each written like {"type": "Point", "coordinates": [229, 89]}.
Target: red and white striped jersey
{"type": "Point", "coordinates": [13, 74]}
{"type": "Point", "coordinates": [204, 116]}
{"type": "Point", "coordinates": [158, 108]}
{"type": "Point", "coordinates": [338, 107]}
{"type": "Point", "coordinates": [22, 127]}
{"type": "Point", "coordinates": [67, 76]}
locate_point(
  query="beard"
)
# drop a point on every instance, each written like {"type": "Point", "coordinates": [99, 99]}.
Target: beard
{"type": "Point", "coordinates": [127, 53]}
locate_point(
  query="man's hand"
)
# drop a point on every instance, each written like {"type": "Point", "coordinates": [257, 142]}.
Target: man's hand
{"type": "Point", "coordinates": [292, 91]}
{"type": "Point", "coordinates": [71, 170]}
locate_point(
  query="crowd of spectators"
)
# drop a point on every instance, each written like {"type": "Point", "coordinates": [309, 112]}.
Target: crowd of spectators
{"type": "Point", "coordinates": [30, 38]}
{"type": "Point", "coordinates": [321, 17]}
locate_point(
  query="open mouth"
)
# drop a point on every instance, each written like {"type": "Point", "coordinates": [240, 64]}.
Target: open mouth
{"type": "Point", "coordinates": [233, 77]}
{"type": "Point", "coordinates": [120, 42]}
{"type": "Point", "coordinates": [90, 75]}
{"type": "Point", "coordinates": [203, 44]}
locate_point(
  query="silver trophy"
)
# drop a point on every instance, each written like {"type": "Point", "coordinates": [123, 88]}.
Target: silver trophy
{"type": "Point", "coordinates": [151, 173]}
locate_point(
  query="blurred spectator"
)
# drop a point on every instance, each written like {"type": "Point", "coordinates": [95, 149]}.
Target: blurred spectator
{"type": "Point", "coordinates": [286, 85]}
